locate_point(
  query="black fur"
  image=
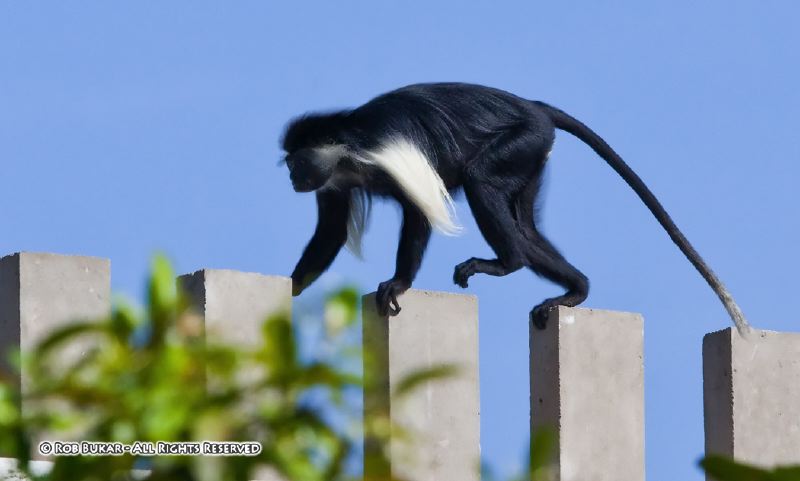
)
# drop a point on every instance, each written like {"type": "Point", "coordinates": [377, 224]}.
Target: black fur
{"type": "Point", "coordinates": [490, 143]}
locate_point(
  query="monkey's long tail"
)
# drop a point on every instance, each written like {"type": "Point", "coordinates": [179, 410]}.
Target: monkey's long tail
{"type": "Point", "coordinates": [575, 127]}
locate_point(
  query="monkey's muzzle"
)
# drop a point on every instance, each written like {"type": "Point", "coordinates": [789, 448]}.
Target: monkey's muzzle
{"type": "Point", "coordinates": [302, 185]}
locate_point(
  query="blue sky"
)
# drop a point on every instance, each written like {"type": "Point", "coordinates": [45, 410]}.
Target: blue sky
{"type": "Point", "coordinates": [143, 126]}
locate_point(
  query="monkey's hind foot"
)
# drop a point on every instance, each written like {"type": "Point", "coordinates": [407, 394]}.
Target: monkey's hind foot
{"type": "Point", "coordinates": [541, 314]}
{"type": "Point", "coordinates": [492, 267]}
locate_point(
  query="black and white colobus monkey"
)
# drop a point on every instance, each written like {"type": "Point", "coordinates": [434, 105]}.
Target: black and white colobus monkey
{"type": "Point", "coordinates": [419, 144]}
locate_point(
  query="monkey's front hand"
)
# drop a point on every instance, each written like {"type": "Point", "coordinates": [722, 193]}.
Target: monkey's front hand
{"type": "Point", "coordinates": [463, 272]}
{"type": "Point", "coordinates": [296, 288]}
{"type": "Point", "coordinates": [299, 283]}
{"type": "Point", "coordinates": [386, 297]}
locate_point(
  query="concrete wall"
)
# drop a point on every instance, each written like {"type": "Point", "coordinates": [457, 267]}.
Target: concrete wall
{"type": "Point", "coordinates": [433, 329]}
{"type": "Point", "coordinates": [586, 369]}
{"type": "Point", "coordinates": [751, 396]}
{"type": "Point", "coordinates": [587, 384]}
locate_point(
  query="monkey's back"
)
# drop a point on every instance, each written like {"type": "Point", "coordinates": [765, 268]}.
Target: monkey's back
{"type": "Point", "coordinates": [450, 121]}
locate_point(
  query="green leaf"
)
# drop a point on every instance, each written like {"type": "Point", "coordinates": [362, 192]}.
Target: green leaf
{"type": "Point", "coordinates": [279, 350]}
{"type": "Point", "coordinates": [323, 374]}
{"type": "Point", "coordinates": [543, 446]}
{"type": "Point", "coordinates": [124, 320]}
{"type": "Point", "coordinates": [786, 473]}
{"type": "Point", "coordinates": [9, 413]}
{"type": "Point", "coordinates": [417, 378]}
{"type": "Point", "coordinates": [66, 333]}
{"type": "Point", "coordinates": [341, 310]}
{"type": "Point", "coordinates": [162, 296]}
{"type": "Point", "coordinates": [723, 468]}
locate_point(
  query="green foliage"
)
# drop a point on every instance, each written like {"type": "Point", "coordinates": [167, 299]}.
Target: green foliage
{"type": "Point", "coordinates": [724, 469]}
{"type": "Point", "coordinates": [415, 380]}
{"type": "Point", "coordinates": [154, 375]}
{"type": "Point", "coordinates": [542, 450]}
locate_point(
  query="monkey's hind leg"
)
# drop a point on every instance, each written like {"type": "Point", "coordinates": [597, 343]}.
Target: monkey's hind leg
{"type": "Point", "coordinates": [545, 260]}
{"type": "Point", "coordinates": [518, 246]}
{"type": "Point", "coordinates": [507, 223]}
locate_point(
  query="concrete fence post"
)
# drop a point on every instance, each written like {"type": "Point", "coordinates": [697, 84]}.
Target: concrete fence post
{"type": "Point", "coordinates": [751, 396]}
{"type": "Point", "coordinates": [40, 292]}
{"type": "Point", "coordinates": [587, 384]}
{"type": "Point", "coordinates": [234, 306]}
{"type": "Point", "coordinates": [442, 416]}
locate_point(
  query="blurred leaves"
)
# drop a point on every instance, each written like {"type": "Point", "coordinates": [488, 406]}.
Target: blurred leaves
{"type": "Point", "coordinates": [724, 469]}
{"type": "Point", "coordinates": [542, 451]}
{"type": "Point", "coordinates": [152, 375]}
{"type": "Point", "coordinates": [417, 379]}
{"type": "Point", "coordinates": [340, 310]}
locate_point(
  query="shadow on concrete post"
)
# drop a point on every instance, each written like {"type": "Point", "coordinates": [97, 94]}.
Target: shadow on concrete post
{"type": "Point", "coordinates": [751, 396]}
{"type": "Point", "coordinates": [587, 384]}
{"type": "Point", "coordinates": [442, 416]}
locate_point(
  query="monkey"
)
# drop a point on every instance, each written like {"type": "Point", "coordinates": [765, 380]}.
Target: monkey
{"type": "Point", "coordinates": [422, 143]}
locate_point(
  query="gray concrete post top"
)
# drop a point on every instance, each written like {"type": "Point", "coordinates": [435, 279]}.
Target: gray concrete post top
{"type": "Point", "coordinates": [235, 304]}
{"type": "Point", "coordinates": [432, 329]}
{"type": "Point", "coordinates": [587, 384]}
{"type": "Point", "coordinates": [751, 396]}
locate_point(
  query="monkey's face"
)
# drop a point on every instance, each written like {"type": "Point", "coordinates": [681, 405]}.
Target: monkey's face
{"type": "Point", "coordinates": [310, 169]}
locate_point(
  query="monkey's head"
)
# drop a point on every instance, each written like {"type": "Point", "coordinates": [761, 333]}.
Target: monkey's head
{"type": "Point", "coordinates": [313, 149]}
{"type": "Point", "coordinates": [310, 168]}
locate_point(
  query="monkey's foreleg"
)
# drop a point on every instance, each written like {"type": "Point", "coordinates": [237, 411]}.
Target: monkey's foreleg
{"type": "Point", "coordinates": [414, 237]}
{"type": "Point", "coordinates": [328, 239]}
